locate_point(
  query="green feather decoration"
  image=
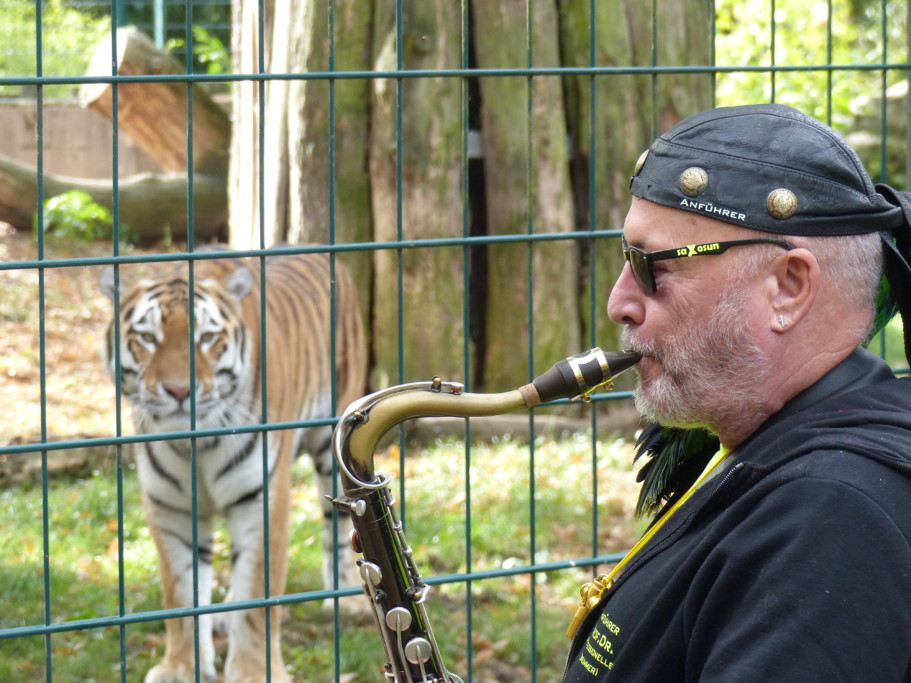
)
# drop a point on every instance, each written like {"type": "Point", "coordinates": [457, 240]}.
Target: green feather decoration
{"type": "Point", "coordinates": [675, 459]}
{"type": "Point", "coordinates": [886, 308]}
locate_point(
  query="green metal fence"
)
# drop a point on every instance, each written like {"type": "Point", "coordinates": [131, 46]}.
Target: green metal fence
{"type": "Point", "coordinates": [467, 603]}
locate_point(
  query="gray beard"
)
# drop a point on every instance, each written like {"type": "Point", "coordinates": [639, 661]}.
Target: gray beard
{"type": "Point", "coordinates": [709, 376]}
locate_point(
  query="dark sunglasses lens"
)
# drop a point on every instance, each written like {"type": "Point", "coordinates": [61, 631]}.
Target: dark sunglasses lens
{"type": "Point", "coordinates": [639, 265]}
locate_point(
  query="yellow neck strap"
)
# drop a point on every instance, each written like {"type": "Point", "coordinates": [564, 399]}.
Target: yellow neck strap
{"type": "Point", "coordinates": [593, 591]}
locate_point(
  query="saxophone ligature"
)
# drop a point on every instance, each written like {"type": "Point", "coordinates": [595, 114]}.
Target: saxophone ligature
{"type": "Point", "coordinates": [392, 583]}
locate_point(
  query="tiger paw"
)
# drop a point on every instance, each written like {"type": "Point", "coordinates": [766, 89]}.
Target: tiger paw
{"type": "Point", "coordinates": [163, 673]}
{"type": "Point", "coordinates": [280, 676]}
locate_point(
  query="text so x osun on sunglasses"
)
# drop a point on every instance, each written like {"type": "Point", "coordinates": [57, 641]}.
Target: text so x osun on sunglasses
{"type": "Point", "coordinates": [642, 262]}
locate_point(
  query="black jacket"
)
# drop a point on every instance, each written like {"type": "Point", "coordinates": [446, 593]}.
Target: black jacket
{"type": "Point", "coordinates": [792, 564]}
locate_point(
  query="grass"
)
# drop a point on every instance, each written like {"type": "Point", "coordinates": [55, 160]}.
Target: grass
{"type": "Point", "coordinates": [83, 547]}
{"type": "Point", "coordinates": [84, 570]}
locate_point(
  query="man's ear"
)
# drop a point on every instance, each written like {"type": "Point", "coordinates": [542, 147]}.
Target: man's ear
{"type": "Point", "coordinates": [795, 281]}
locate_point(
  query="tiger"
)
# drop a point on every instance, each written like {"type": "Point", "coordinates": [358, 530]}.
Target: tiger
{"type": "Point", "coordinates": [155, 363]}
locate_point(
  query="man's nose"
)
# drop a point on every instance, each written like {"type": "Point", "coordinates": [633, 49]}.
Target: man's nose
{"type": "Point", "coordinates": [625, 305]}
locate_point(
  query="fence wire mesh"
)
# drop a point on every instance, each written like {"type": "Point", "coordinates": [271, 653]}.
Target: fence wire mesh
{"type": "Point", "coordinates": [505, 585]}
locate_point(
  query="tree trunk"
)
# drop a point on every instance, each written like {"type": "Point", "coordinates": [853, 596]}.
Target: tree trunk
{"type": "Point", "coordinates": [531, 289]}
{"type": "Point", "coordinates": [258, 211]}
{"type": "Point", "coordinates": [528, 190]}
{"type": "Point", "coordinates": [155, 114]}
{"type": "Point", "coordinates": [627, 116]}
{"type": "Point", "coordinates": [684, 38]}
{"type": "Point", "coordinates": [311, 213]}
{"type": "Point", "coordinates": [147, 203]}
{"type": "Point", "coordinates": [430, 191]}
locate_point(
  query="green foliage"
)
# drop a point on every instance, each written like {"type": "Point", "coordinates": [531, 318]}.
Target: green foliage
{"type": "Point", "coordinates": [75, 215]}
{"type": "Point", "coordinates": [68, 37]}
{"type": "Point", "coordinates": [803, 40]}
{"type": "Point", "coordinates": [208, 50]}
{"type": "Point", "coordinates": [890, 344]}
{"type": "Point", "coordinates": [746, 32]}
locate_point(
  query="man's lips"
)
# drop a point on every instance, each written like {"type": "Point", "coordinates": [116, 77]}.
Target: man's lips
{"type": "Point", "coordinates": [648, 365]}
{"type": "Point", "coordinates": [641, 349]}
{"type": "Point", "coordinates": [646, 350]}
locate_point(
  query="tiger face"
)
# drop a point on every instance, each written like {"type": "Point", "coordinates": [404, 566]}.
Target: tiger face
{"type": "Point", "coordinates": [155, 359]}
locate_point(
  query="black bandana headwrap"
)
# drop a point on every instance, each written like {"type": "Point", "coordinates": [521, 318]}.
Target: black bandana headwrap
{"type": "Point", "coordinates": [771, 168]}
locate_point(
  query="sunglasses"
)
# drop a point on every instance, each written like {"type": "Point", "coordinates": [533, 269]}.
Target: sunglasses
{"type": "Point", "coordinates": [642, 263]}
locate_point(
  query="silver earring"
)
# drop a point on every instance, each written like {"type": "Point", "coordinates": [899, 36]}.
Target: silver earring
{"type": "Point", "coordinates": [781, 321]}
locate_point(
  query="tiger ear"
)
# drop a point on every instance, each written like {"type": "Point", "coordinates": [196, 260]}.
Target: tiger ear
{"type": "Point", "coordinates": [107, 282]}
{"type": "Point", "coordinates": [239, 283]}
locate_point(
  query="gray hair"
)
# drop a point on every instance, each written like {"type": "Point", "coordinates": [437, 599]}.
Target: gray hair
{"type": "Point", "coordinates": [854, 263]}
{"type": "Point", "coordinates": [851, 264]}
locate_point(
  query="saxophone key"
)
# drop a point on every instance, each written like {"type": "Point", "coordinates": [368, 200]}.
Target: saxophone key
{"type": "Point", "coordinates": [398, 619]}
{"type": "Point", "coordinates": [417, 594]}
{"type": "Point", "coordinates": [371, 574]}
{"type": "Point", "coordinates": [418, 650]}
{"type": "Point", "coordinates": [355, 541]}
{"type": "Point", "coordinates": [354, 506]}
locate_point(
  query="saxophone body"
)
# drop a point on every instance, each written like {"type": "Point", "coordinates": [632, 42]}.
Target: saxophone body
{"type": "Point", "coordinates": [392, 582]}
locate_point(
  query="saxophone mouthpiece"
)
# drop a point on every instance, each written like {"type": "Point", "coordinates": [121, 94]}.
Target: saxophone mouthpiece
{"type": "Point", "coordinates": [621, 361]}
{"type": "Point", "coordinates": [580, 375]}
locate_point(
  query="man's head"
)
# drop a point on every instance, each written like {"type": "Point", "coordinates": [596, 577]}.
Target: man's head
{"type": "Point", "coordinates": [782, 283]}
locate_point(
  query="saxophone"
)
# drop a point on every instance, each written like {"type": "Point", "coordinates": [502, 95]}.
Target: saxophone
{"type": "Point", "coordinates": [391, 580]}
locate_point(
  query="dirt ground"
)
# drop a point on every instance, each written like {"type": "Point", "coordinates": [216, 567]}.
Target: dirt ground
{"type": "Point", "coordinates": [78, 397]}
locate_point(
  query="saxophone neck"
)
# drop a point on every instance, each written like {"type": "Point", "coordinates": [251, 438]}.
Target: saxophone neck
{"type": "Point", "coordinates": [366, 420]}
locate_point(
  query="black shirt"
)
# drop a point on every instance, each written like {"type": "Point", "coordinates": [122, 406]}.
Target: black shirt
{"type": "Point", "coordinates": [793, 564]}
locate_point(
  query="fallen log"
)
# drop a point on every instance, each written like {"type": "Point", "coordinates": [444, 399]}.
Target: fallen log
{"type": "Point", "coordinates": [149, 203]}
{"type": "Point", "coordinates": [154, 114]}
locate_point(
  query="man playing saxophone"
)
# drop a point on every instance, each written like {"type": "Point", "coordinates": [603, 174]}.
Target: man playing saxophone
{"type": "Point", "coordinates": [779, 464]}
